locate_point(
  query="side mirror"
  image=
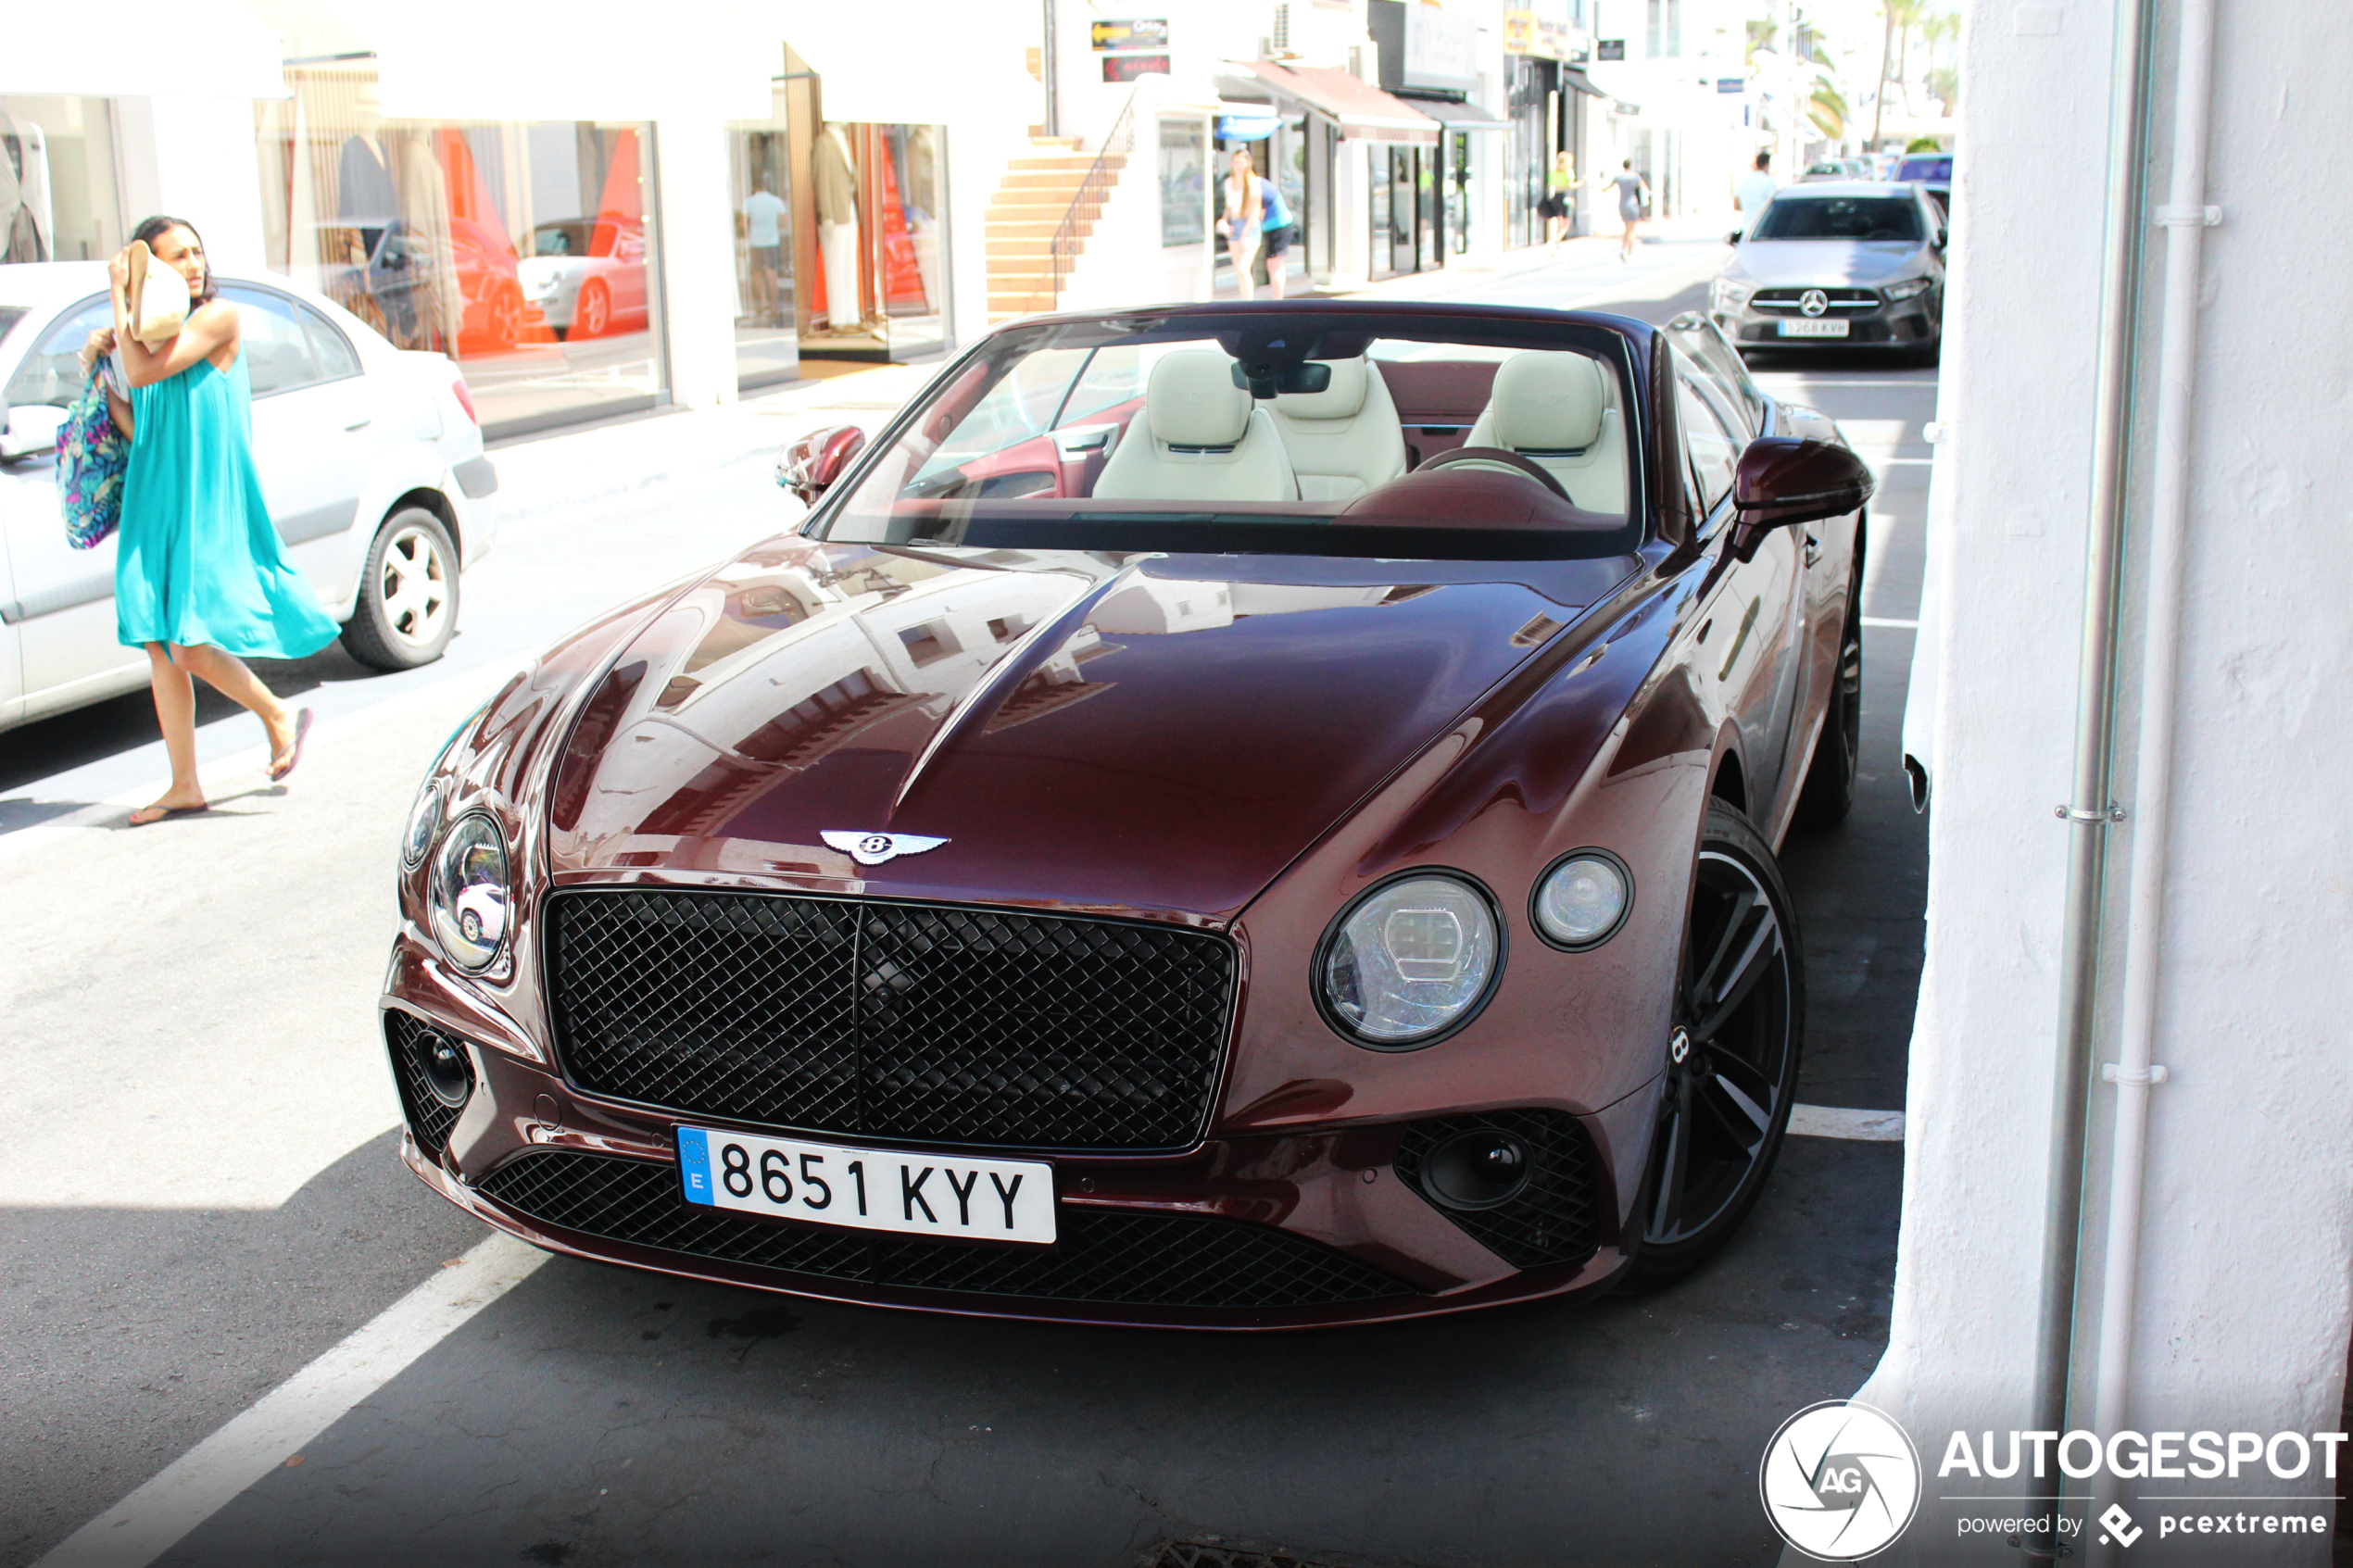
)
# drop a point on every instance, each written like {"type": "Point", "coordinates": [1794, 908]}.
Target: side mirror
{"type": "Point", "coordinates": [1783, 480]}
{"type": "Point", "coordinates": [808, 465]}
{"type": "Point", "coordinates": [1942, 236]}
{"type": "Point", "coordinates": [1733, 238]}
{"type": "Point", "coordinates": [29, 431]}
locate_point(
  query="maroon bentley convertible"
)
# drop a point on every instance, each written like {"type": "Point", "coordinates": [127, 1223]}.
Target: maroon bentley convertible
{"type": "Point", "coordinates": [1222, 817]}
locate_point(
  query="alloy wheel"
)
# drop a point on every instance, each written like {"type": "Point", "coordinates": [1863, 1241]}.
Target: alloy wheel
{"type": "Point", "coordinates": [1731, 1057]}
{"type": "Point", "coordinates": [416, 586]}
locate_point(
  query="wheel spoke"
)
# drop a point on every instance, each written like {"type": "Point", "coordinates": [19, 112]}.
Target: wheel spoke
{"type": "Point", "coordinates": [1729, 1064]}
{"type": "Point", "coordinates": [1667, 1207]}
{"type": "Point", "coordinates": [1757, 957]}
{"type": "Point", "coordinates": [1753, 1117]}
{"type": "Point", "coordinates": [1704, 984]}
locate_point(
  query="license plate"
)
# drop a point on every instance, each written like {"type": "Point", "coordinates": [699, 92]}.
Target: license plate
{"type": "Point", "coordinates": [1813, 329]}
{"type": "Point", "coordinates": [868, 1189]}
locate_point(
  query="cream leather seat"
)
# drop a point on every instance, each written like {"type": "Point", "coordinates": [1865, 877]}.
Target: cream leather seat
{"type": "Point", "coordinates": [1555, 409]}
{"type": "Point", "coordinates": [1343, 440]}
{"type": "Point", "coordinates": [1198, 438]}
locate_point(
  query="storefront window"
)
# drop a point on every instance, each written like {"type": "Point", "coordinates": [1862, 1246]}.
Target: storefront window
{"type": "Point", "coordinates": [1184, 182]}
{"type": "Point", "coordinates": [874, 285]}
{"type": "Point", "coordinates": [759, 192]}
{"type": "Point", "coordinates": [525, 251]}
{"type": "Point", "coordinates": [58, 196]}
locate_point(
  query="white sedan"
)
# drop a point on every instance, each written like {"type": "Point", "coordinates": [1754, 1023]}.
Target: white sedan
{"type": "Point", "coordinates": [370, 460]}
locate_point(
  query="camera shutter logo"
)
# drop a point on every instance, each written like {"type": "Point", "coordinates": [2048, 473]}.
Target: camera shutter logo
{"type": "Point", "coordinates": [1840, 1480]}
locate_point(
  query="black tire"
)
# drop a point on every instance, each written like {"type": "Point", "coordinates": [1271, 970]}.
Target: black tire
{"type": "Point", "coordinates": [1829, 790]}
{"type": "Point", "coordinates": [408, 607]}
{"type": "Point", "coordinates": [1732, 1056]}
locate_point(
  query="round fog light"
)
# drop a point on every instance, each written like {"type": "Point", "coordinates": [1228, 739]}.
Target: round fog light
{"type": "Point", "coordinates": [447, 1072]}
{"type": "Point", "coordinates": [1477, 1168]}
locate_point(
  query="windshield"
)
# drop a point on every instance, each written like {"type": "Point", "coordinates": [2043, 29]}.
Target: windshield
{"type": "Point", "coordinates": [1840, 218]}
{"type": "Point", "coordinates": [1264, 432]}
{"type": "Point", "coordinates": [569, 238]}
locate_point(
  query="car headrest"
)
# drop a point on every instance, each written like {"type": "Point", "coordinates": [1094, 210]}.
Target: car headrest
{"type": "Point", "coordinates": [1192, 400]}
{"type": "Point", "coordinates": [1547, 401]}
{"type": "Point", "coordinates": [1342, 400]}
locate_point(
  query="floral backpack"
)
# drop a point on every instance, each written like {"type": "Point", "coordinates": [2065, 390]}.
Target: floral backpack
{"type": "Point", "coordinates": [92, 456]}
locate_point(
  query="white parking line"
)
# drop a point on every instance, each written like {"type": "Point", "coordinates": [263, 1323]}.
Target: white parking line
{"type": "Point", "coordinates": [201, 1481]}
{"type": "Point", "coordinates": [1838, 1122]}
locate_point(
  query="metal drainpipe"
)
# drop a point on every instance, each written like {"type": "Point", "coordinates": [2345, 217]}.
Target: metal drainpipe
{"type": "Point", "coordinates": [1049, 76]}
{"type": "Point", "coordinates": [2185, 217]}
{"type": "Point", "coordinates": [2090, 811]}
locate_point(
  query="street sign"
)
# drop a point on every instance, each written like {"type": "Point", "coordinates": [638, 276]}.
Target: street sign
{"type": "Point", "coordinates": [1128, 67]}
{"type": "Point", "coordinates": [1135, 33]}
{"type": "Point", "coordinates": [1609, 48]}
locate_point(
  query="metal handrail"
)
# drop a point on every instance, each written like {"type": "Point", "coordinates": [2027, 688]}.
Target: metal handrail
{"type": "Point", "coordinates": [1086, 202]}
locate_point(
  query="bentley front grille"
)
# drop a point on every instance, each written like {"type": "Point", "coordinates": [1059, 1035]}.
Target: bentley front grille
{"type": "Point", "coordinates": [932, 1024]}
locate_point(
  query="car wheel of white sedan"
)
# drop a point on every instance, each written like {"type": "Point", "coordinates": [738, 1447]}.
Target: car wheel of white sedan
{"type": "Point", "coordinates": [407, 609]}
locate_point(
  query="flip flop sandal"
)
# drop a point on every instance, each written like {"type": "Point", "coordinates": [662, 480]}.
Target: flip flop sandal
{"type": "Point", "coordinates": [302, 732]}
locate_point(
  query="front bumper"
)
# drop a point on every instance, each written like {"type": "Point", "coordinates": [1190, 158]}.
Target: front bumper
{"type": "Point", "coordinates": [1907, 323]}
{"type": "Point", "coordinates": [1311, 1226]}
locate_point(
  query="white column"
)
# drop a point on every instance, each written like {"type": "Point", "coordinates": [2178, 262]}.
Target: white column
{"type": "Point", "coordinates": [697, 257]}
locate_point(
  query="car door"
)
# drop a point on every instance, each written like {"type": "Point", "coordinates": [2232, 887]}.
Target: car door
{"type": "Point", "coordinates": [317, 430]}
{"type": "Point", "coordinates": [61, 603]}
{"type": "Point", "coordinates": [1754, 616]}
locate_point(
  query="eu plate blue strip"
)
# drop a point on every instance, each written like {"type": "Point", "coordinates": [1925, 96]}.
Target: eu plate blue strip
{"type": "Point", "coordinates": [693, 1164]}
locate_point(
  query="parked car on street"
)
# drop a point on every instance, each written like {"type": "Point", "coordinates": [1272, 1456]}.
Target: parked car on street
{"type": "Point", "coordinates": [1249, 816]}
{"type": "Point", "coordinates": [1934, 171]}
{"type": "Point", "coordinates": [370, 461]}
{"type": "Point", "coordinates": [1840, 168]}
{"type": "Point", "coordinates": [415, 288]}
{"type": "Point", "coordinates": [1839, 264]}
{"type": "Point", "coordinates": [585, 273]}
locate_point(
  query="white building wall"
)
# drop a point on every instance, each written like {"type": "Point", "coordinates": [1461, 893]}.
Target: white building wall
{"type": "Point", "coordinates": [2242, 1321]}
{"type": "Point", "coordinates": [193, 157]}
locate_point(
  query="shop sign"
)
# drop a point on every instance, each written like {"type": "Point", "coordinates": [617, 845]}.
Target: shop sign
{"type": "Point", "coordinates": [1541, 32]}
{"type": "Point", "coordinates": [1127, 68]}
{"type": "Point", "coordinates": [1423, 48]}
{"type": "Point", "coordinates": [1609, 48]}
{"type": "Point", "coordinates": [1731, 84]}
{"type": "Point", "coordinates": [1136, 33]}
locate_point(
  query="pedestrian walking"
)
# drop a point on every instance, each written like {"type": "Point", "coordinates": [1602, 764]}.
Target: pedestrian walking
{"type": "Point", "coordinates": [201, 581]}
{"type": "Point", "coordinates": [1560, 185]}
{"type": "Point", "coordinates": [1277, 230]}
{"type": "Point", "coordinates": [1633, 191]}
{"type": "Point", "coordinates": [1753, 189]}
{"type": "Point", "coordinates": [1244, 224]}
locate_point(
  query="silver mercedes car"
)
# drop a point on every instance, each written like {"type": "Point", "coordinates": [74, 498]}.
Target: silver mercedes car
{"type": "Point", "coordinates": [1837, 264]}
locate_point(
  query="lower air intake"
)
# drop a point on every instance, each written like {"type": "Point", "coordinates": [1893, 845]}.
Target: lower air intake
{"type": "Point", "coordinates": [1551, 1220]}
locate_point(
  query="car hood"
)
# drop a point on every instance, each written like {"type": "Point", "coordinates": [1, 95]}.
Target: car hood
{"type": "Point", "coordinates": [1826, 263]}
{"type": "Point", "coordinates": [1150, 735]}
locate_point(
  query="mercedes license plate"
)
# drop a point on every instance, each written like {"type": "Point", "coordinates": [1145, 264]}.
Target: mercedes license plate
{"type": "Point", "coordinates": [1813, 329]}
{"type": "Point", "coordinates": [870, 1190]}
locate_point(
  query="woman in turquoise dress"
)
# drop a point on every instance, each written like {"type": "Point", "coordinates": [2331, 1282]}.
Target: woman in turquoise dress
{"type": "Point", "coordinates": [201, 580]}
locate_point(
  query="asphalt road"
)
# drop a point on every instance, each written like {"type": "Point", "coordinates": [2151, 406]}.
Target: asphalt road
{"type": "Point", "coordinates": [201, 1198]}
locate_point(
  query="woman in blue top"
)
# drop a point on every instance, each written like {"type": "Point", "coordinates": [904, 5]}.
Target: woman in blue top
{"type": "Point", "coordinates": [201, 581]}
{"type": "Point", "coordinates": [1255, 214]}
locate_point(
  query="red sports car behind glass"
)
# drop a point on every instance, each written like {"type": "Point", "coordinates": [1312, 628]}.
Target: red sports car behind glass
{"type": "Point", "coordinates": [1222, 817]}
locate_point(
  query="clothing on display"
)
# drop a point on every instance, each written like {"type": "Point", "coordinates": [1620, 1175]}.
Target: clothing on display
{"type": "Point", "coordinates": [27, 232]}
{"type": "Point", "coordinates": [836, 176]}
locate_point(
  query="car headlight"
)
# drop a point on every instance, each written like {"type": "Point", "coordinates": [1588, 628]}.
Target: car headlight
{"type": "Point", "coordinates": [470, 892]}
{"type": "Point", "coordinates": [1582, 900]}
{"type": "Point", "coordinates": [1907, 289]}
{"type": "Point", "coordinates": [1729, 295]}
{"type": "Point", "coordinates": [424, 820]}
{"type": "Point", "coordinates": [1410, 961]}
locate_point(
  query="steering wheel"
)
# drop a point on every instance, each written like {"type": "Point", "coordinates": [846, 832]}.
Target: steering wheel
{"type": "Point", "coordinates": [1496, 460]}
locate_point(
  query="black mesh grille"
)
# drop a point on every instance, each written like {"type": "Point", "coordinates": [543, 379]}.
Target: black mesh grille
{"type": "Point", "coordinates": [950, 1025]}
{"type": "Point", "coordinates": [1553, 1218]}
{"type": "Point", "coordinates": [429, 1120]}
{"type": "Point", "coordinates": [1116, 1258]}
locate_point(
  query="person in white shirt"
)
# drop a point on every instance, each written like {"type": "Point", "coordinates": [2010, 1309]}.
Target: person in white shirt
{"type": "Point", "coordinates": [1753, 189]}
{"type": "Point", "coordinates": [764, 235]}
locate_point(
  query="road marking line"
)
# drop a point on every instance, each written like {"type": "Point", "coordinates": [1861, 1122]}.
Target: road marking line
{"type": "Point", "coordinates": [1829, 1121]}
{"type": "Point", "coordinates": [1890, 621]}
{"type": "Point", "coordinates": [197, 1485]}
{"type": "Point", "coordinates": [1909, 462]}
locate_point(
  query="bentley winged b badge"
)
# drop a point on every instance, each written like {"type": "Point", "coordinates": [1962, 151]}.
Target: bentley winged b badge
{"type": "Point", "coordinates": [873, 848]}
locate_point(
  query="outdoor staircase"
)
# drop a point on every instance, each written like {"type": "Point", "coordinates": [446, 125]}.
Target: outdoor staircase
{"type": "Point", "coordinates": [1031, 206]}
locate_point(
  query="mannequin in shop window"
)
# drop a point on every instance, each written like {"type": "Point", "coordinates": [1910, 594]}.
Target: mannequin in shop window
{"type": "Point", "coordinates": [835, 174]}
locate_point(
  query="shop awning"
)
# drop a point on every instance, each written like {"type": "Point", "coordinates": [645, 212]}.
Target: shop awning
{"type": "Point", "coordinates": [1459, 117]}
{"type": "Point", "coordinates": [1573, 78]}
{"type": "Point", "coordinates": [139, 49]}
{"type": "Point", "coordinates": [1363, 112]}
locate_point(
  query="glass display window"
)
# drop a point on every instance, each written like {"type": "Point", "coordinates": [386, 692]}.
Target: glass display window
{"type": "Point", "coordinates": [760, 189]}
{"type": "Point", "coordinates": [58, 197]}
{"type": "Point", "coordinates": [1184, 182]}
{"type": "Point", "coordinates": [524, 250]}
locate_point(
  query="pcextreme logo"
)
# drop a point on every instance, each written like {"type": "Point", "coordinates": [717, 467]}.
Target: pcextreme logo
{"type": "Point", "coordinates": [1840, 1480]}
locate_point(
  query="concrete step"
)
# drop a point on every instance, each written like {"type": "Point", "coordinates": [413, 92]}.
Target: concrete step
{"type": "Point", "coordinates": [1016, 228]}
{"type": "Point", "coordinates": [1079, 161]}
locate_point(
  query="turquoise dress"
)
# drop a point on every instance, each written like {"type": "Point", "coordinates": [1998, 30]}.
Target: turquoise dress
{"type": "Point", "coordinates": [196, 561]}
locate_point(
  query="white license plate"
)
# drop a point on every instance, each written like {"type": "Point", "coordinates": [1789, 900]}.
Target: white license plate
{"type": "Point", "coordinates": [869, 1189]}
{"type": "Point", "coordinates": [1813, 329]}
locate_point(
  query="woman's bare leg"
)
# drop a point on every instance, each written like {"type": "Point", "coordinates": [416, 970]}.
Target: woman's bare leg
{"type": "Point", "coordinates": [176, 713]}
{"type": "Point", "coordinates": [227, 674]}
{"type": "Point", "coordinates": [1241, 268]}
{"type": "Point", "coordinates": [1274, 277]}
